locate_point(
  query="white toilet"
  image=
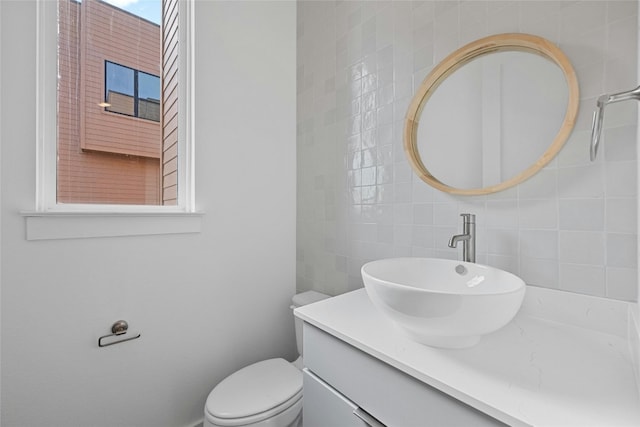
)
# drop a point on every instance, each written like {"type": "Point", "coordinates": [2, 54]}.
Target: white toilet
{"type": "Point", "coordinates": [265, 394]}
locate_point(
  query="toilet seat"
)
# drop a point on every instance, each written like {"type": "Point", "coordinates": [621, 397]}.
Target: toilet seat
{"type": "Point", "coordinates": [255, 393]}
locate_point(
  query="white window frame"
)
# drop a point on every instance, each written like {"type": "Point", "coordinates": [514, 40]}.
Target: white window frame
{"type": "Point", "coordinates": [52, 220]}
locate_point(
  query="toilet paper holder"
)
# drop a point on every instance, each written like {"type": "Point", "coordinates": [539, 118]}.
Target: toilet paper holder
{"type": "Point", "coordinates": [119, 328]}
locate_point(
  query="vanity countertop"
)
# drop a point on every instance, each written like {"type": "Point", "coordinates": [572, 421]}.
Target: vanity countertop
{"type": "Point", "coordinates": [541, 369]}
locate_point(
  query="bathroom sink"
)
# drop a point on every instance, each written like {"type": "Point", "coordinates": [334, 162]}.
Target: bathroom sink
{"type": "Point", "coordinates": [440, 302]}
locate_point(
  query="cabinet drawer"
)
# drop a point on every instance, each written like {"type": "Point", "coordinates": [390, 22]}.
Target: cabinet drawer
{"type": "Point", "coordinates": [392, 397]}
{"type": "Point", "coordinates": [324, 406]}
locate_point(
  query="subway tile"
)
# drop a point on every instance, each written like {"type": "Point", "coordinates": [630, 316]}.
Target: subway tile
{"type": "Point", "coordinates": [622, 250]}
{"type": "Point", "coordinates": [447, 254]}
{"type": "Point", "coordinates": [539, 244]}
{"type": "Point", "coordinates": [385, 57]}
{"type": "Point", "coordinates": [579, 247]}
{"type": "Point", "coordinates": [385, 115]}
{"type": "Point", "coordinates": [504, 20]}
{"type": "Point", "coordinates": [621, 9]}
{"type": "Point", "coordinates": [540, 272]}
{"type": "Point", "coordinates": [576, 149]}
{"type": "Point", "coordinates": [445, 214]}
{"type": "Point", "coordinates": [354, 19]}
{"type": "Point", "coordinates": [583, 279]}
{"type": "Point", "coordinates": [369, 194]}
{"type": "Point", "coordinates": [402, 173]}
{"type": "Point", "coordinates": [368, 138]}
{"type": "Point", "coordinates": [384, 28]}
{"type": "Point", "coordinates": [384, 174]}
{"type": "Point", "coordinates": [581, 17]}
{"type": "Point", "coordinates": [369, 157]}
{"type": "Point", "coordinates": [620, 113]}
{"type": "Point", "coordinates": [502, 214]}
{"type": "Point", "coordinates": [581, 214]}
{"type": "Point", "coordinates": [619, 143]}
{"type": "Point", "coordinates": [423, 214]}
{"type": "Point", "coordinates": [369, 176]}
{"type": "Point", "coordinates": [475, 205]}
{"type": "Point", "coordinates": [368, 27]}
{"type": "Point", "coordinates": [385, 141]}
{"type": "Point", "coordinates": [541, 18]}
{"type": "Point", "coordinates": [402, 235]}
{"type": "Point", "coordinates": [437, 195]}
{"type": "Point", "coordinates": [423, 35]}
{"type": "Point", "coordinates": [385, 234]}
{"type": "Point", "coordinates": [502, 241]}
{"type": "Point", "coordinates": [422, 192]}
{"type": "Point", "coordinates": [581, 181]}
{"type": "Point", "coordinates": [423, 57]}
{"type": "Point", "coordinates": [621, 179]}
{"type": "Point", "coordinates": [422, 236]}
{"type": "Point", "coordinates": [591, 78]}
{"type": "Point", "coordinates": [385, 193]}
{"type": "Point", "coordinates": [538, 213]}
{"type": "Point", "coordinates": [620, 75]}
{"type": "Point", "coordinates": [622, 38]}
{"type": "Point", "coordinates": [472, 32]}
{"type": "Point", "coordinates": [586, 49]}
{"type": "Point", "coordinates": [369, 120]}
{"type": "Point", "coordinates": [441, 236]}
{"type": "Point", "coordinates": [403, 213]}
{"type": "Point", "coordinates": [402, 251]}
{"type": "Point", "coordinates": [622, 283]}
{"type": "Point", "coordinates": [422, 11]}
{"type": "Point", "coordinates": [402, 192]}
{"type": "Point", "coordinates": [506, 263]}
{"type": "Point", "coordinates": [622, 215]}
{"type": "Point", "coordinates": [443, 45]}
{"type": "Point", "coordinates": [473, 13]}
{"type": "Point", "coordinates": [585, 115]}
{"type": "Point", "coordinates": [446, 20]}
{"type": "Point", "coordinates": [508, 194]}
{"type": "Point", "coordinates": [540, 186]}
{"type": "Point", "coordinates": [369, 85]}
{"type": "Point", "coordinates": [418, 251]}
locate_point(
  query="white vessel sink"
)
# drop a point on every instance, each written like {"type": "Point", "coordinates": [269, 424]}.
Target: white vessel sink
{"type": "Point", "coordinates": [441, 302]}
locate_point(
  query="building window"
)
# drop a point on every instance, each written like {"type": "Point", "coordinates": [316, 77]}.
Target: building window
{"type": "Point", "coordinates": [63, 105]}
{"type": "Point", "coordinates": [131, 92]}
{"type": "Point", "coordinates": [133, 63]}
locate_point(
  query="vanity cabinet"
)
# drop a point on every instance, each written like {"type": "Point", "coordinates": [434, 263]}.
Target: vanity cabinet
{"type": "Point", "coordinates": [328, 407]}
{"type": "Point", "coordinates": [344, 386]}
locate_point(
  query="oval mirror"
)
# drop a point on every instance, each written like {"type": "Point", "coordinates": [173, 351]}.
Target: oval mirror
{"type": "Point", "coordinates": [491, 114]}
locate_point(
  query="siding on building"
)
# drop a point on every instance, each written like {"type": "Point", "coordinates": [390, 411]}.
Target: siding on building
{"type": "Point", "coordinates": [104, 157]}
{"type": "Point", "coordinates": [170, 104]}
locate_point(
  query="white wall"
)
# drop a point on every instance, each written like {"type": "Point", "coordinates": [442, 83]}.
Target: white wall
{"type": "Point", "coordinates": [573, 226]}
{"type": "Point", "coordinates": [206, 304]}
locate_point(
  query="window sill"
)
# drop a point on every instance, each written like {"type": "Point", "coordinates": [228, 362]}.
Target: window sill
{"type": "Point", "coordinates": [81, 225]}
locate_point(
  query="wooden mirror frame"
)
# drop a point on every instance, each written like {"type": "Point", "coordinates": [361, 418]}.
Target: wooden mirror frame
{"type": "Point", "coordinates": [496, 43]}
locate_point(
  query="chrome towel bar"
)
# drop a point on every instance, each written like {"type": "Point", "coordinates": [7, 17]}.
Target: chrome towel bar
{"type": "Point", "coordinates": [598, 115]}
{"type": "Point", "coordinates": [119, 328]}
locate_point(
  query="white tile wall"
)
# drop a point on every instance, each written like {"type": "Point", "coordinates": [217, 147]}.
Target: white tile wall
{"type": "Point", "coordinates": [572, 226]}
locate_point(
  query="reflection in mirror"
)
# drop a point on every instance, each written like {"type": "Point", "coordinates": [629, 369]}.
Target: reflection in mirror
{"type": "Point", "coordinates": [491, 114]}
{"type": "Point", "coordinates": [492, 118]}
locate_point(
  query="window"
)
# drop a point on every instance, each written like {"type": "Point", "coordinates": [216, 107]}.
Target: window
{"type": "Point", "coordinates": [77, 192]}
{"type": "Point", "coordinates": [131, 92]}
{"type": "Point", "coordinates": [115, 65]}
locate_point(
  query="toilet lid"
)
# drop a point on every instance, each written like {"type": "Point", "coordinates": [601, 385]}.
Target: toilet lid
{"type": "Point", "coordinates": [254, 389]}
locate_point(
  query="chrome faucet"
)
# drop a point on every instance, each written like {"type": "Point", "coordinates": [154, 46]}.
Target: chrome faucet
{"type": "Point", "coordinates": [468, 238]}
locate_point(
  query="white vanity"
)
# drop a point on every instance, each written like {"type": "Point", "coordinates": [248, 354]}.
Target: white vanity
{"type": "Point", "coordinates": [565, 359]}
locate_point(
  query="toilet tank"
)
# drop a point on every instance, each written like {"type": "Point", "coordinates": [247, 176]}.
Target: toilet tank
{"type": "Point", "coordinates": [299, 300]}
